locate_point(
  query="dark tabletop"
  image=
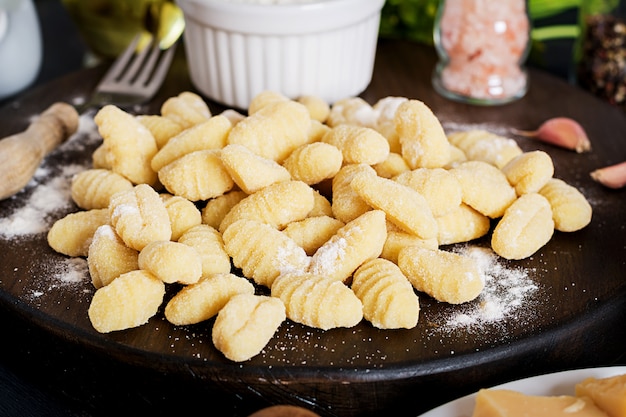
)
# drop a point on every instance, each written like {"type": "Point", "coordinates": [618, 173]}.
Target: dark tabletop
{"type": "Point", "coordinates": [43, 373]}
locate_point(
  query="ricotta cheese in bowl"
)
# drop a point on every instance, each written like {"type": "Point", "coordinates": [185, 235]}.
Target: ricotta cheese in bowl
{"type": "Point", "coordinates": [239, 48]}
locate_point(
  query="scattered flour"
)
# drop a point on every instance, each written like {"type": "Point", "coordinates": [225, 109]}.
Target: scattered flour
{"type": "Point", "coordinates": [507, 291]}
{"type": "Point", "coordinates": [49, 190]}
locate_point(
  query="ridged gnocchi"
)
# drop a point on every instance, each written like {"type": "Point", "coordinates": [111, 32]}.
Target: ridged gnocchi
{"type": "Point", "coordinates": [422, 139]}
{"type": "Point", "coordinates": [93, 188]}
{"type": "Point", "coordinates": [171, 262]}
{"type": "Point", "coordinates": [246, 324]}
{"type": "Point", "coordinates": [210, 134]}
{"type": "Point", "coordinates": [358, 144]}
{"type": "Point", "coordinates": [197, 176]}
{"type": "Point", "coordinates": [251, 172]}
{"type": "Point", "coordinates": [187, 109]}
{"type": "Point", "coordinates": [389, 301]}
{"type": "Point", "coordinates": [446, 276]}
{"type": "Point", "coordinates": [529, 171]}
{"type": "Point", "coordinates": [312, 163]}
{"type": "Point", "coordinates": [72, 234]}
{"type": "Point", "coordinates": [403, 206]}
{"type": "Point", "coordinates": [525, 227]}
{"type": "Point", "coordinates": [277, 205]}
{"type": "Point", "coordinates": [357, 241]}
{"type": "Point", "coordinates": [274, 130]}
{"type": "Point", "coordinates": [484, 188]}
{"type": "Point", "coordinates": [570, 209]}
{"type": "Point", "coordinates": [317, 300]}
{"type": "Point", "coordinates": [128, 301]}
{"type": "Point", "coordinates": [128, 145]}
{"type": "Point", "coordinates": [139, 216]}
{"type": "Point", "coordinates": [108, 257]}
{"type": "Point", "coordinates": [204, 299]}
{"type": "Point", "coordinates": [209, 244]}
{"type": "Point", "coordinates": [263, 252]}
{"type": "Point", "coordinates": [481, 145]}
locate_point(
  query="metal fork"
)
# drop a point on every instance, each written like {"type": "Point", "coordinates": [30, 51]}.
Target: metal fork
{"type": "Point", "coordinates": [134, 77]}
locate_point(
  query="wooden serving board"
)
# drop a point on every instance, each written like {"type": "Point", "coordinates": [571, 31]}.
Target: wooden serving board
{"type": "Point", "coordinates": [580, 277]}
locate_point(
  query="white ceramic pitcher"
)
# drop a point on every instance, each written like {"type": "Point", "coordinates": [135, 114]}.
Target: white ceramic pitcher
{"type": "Point", "coordinates": [20, 46]}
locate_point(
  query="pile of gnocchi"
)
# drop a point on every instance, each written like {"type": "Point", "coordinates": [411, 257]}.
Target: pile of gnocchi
{"type": "Point", "coordinates": [340, 213]}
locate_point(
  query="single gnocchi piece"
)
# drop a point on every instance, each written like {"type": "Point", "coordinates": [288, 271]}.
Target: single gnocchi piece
{"type": "Point", "coordinates": [246, 324]}
{"type": "Point", "coordinates": [526, 226]}
{"type": "Point", "coordinates": [209, 244]}
{"type": "Point", "coordinates": [529, 171]}
{"type": "Point", "coordinates": [273, 131]}
{"type": "Point", "coordinates": [128, 145]}
{"type": "Point", "coordinates": [211, 134]}
{"type": "Point", "coordinates": [162, 128]}
{"type": "Point", "coordinates": [183, 214]}
{"type": "Point", "coordinates": [391, 167]}
{"type": "Point", "coordinates": [481, 145]}
{"type": "Point", "coordinates": [403, 206]}
{"type": "Point", "coordinates": [171, 262]}
{"type": "Point", "coordinates": [347, 205]}
{"type": "Point", "coordinates": [321, 205]}
{"type": "Point", "coordinates": [109, 257]}
{"type": "Point", "coordinates": [359, 240]}
{"type": "Point", "coordinates": [317, 130]}
{"type": "Point", "coordinates": [187, 109]}
{"type": "Point", "coordinates": [446, 276]}
{"type": "Point", "coordinates": [457, 156]}
{"type": "Point", "coordinates": [277, 205]}
{"type": "Point", "coordinates": [128, 301]}
{"type": "Point", "coordinates": [485, 188]}
{"type": "Point", "coordinates": [462, 224]}
{"type": "Point", "coordinates": [312, 163]}
{"type": "Point", "coordinates": [101, 158]}
{"type": "Point", "coordinates": [318, 301]}
{"type": "Point", "coordinates": [385, 109]}
{"type": "Point", "coordinates": [250, 171]}
{"type": "Point", "coordinates": [93, 188]}
{"type": "Point", "coordinates": [313, 232]}
{"type": "Point", "coordinates": [199, 175]}
{"type": "Point", "coordinates": [570, 209]}
{"type": "Point", "coordinates": [233, 115]}
{"type": "Point", "coordinates": [398, 239]}
{"type": "Point", "coordinates": [71, 235]}
{"type": "Point", "coordinates": [318, 108]}
{"type": "Point", "coordinates": [422, 139]}
{"type": "Point", "coordinates": [264, 98]}
{"type": "Point", "coordinates": [201, 301]}
{"type": "Point", "coordinates": [216, 208]}
{"type": "Point", "coordinates": [140, 217]}
{"type": "Point", "coordinates": [438, 186]}
{"type": "Point", "coordinates": [358, 144]}
{"type": "Point", "coordinates": [262, 252]}
{"type": "Point", "coordinates": [389, 301]}
{"type": "Point", "coordinates": [352, 111]}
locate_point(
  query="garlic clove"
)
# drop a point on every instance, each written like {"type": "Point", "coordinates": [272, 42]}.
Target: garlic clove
{"type": "Point", "coordinates": [612, 176]}
{"type": "Point", "coordinates": [560, 131]}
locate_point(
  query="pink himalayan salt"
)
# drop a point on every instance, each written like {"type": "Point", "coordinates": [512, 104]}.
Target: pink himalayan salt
{"type": "Point", "coordinates": [485, 41]}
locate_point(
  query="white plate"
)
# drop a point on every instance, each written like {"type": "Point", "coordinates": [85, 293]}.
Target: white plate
{"type": "Point", "coordinates": [559, 383]}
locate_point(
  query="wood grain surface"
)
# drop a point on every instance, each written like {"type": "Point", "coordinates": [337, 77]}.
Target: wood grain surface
{"type": "Point", "coordinates": [578, 311]}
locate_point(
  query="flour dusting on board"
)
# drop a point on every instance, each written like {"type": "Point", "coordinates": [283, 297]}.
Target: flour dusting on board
{"type": "Point", "coordinates": [506, 293]}
{"type": "Point", "coordinates": [49, 191]}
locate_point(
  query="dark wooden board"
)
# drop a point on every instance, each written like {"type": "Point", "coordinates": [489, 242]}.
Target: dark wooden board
{"type": "Point", "coordinates": [363, 370]}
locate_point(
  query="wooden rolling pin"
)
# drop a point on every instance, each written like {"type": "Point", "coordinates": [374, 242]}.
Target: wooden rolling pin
{"type": "Point", "coordinates": [22, 153]}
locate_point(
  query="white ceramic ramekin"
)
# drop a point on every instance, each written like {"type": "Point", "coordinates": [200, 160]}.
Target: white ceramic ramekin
{"type": "Point", "coordinates": [324, 48]}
